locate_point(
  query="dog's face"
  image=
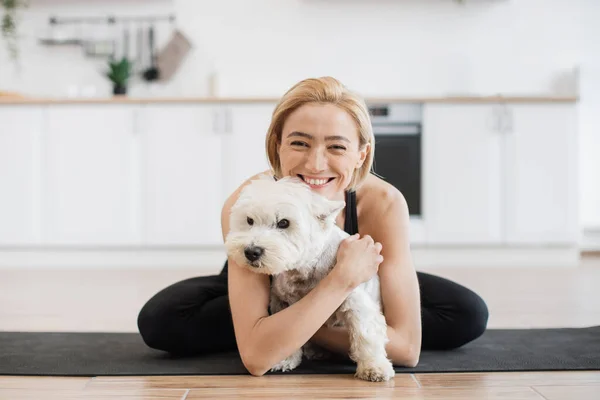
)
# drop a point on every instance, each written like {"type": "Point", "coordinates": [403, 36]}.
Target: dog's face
{"type": "Point", "coordinates": [277, 226]}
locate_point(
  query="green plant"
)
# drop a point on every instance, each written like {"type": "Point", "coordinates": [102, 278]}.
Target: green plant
{"type": "Point", "coordinates": [120, 71]}
{"type": "Point", "coordinates": [8, 25]}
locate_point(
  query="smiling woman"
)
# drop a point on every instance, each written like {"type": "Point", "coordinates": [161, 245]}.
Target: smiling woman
{"type": "Point", "coordinates": [321, 132]}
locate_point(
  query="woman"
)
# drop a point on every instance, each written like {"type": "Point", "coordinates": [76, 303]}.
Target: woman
{"type": "Point", "coordinates": [322, 133]}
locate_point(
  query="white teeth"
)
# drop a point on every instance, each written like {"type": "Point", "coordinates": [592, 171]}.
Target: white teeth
{"type": "Point", "coordinates": [316, 182]}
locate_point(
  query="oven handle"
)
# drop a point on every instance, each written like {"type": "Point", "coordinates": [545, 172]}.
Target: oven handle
{"type": "Point", "coordinates": [404, 129]}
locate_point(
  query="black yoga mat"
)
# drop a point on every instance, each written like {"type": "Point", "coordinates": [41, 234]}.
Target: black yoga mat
{"type": "Point", "coordinates": [97, 354]}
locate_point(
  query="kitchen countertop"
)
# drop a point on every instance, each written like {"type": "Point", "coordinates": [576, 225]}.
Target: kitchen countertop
{"type": "Point", "coordinates": [16, 100]}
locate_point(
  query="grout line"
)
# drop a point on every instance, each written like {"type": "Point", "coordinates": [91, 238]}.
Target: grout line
{"type": "Point", "coordinates": [416, 380]}
{"type": "Point", "coordinates": [88, 382]}
{"type": "Point", "coordinates": [185, 395]}
{"type": "Point", "coordinates": [538, 393]}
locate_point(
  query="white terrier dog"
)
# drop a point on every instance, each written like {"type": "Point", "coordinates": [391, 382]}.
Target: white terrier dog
{"type": "Point", "coordinates": [283, 229]}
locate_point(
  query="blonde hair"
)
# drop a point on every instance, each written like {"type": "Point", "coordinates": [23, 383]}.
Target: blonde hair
{"type": "Point", "coordinates": [324, 90]}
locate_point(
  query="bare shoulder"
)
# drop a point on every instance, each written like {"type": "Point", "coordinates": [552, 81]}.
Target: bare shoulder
{"type": "Point", "coordinates": [378, 200]}
{"type": "Point", "coordinates": [377, 197]}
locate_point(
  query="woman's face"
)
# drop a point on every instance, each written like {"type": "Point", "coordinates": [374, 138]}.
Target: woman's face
{"type": "Point", "coordinates": [320, 144]}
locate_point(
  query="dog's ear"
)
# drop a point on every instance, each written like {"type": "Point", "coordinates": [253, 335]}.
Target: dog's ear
{"type": "Point", "coordinates": [325, 209]}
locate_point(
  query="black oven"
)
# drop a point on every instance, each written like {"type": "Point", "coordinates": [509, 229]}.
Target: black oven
{"type": "Point", "coordinates": [398, 150]}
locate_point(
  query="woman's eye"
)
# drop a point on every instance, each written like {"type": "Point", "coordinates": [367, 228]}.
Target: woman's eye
{"type": "Point", "coordinates": [250, 221]}
{"type": "Point", "coordinates": [338, 147]}
{"type": "Point", "coordinates": [284, 223]}
{"type": "Point", "coordinates": [296, 143]}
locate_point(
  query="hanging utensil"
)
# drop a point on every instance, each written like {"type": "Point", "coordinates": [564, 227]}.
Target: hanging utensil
{"type": "Point", "coordinates": [140, 49]}
{"type": "Point", "coordinates": [126, 42]}
{"type": "Point", "coordinates": [152, 73]}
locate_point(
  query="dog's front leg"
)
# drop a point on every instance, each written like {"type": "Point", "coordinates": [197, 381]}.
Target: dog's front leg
{"type": "Point", "coordinates": [289, 363]}
{"type": "Point", "coordinates": [368, 336]}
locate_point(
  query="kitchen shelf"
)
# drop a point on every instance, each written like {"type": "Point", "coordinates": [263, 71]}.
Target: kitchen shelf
{"type": "Point", "coordinates": [6, 100]}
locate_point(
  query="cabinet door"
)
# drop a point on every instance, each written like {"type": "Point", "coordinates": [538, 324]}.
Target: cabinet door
{"type": "Point", "coordinates": [542, 190]}
{"type": "Point", "coordinates": [20, 132]}
{"type": "Point", "coordinates": [182, 175]}
{"type": "Point", "coordinates": [244, 143]}
{"type": "Point", "coordinates": [462, 199]}
{"type": "Point", "coordinates": [88, 180]}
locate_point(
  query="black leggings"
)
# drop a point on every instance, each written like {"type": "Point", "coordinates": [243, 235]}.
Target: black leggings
{"type": "Point", "coordinates": [193, 316]}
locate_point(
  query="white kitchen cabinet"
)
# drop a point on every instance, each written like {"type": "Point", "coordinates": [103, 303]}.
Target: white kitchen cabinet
{"type": "Point", "coordinates": [88, 181]}
{"type": "Point", "coordinates": [541, 174]}
{"type": "Point", "coordinates": [111, 176]}
{"type": "Point", "coordinates": [500, 174]}
{"type": "Point", "coordinates": [20, 130]}
{"type": "Point", "coordinates": [244, 152]}
{"type": "Point", "coordinates": [462, 174]}
{"type": "Point", "coordinates": [182, 175]}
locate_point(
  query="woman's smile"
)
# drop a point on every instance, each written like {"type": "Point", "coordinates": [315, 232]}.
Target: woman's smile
{"type": "Point", "coordinates": [316, 182]}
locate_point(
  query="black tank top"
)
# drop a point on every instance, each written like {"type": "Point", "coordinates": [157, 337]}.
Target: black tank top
{"type": "Point", "coordinates": [350, 222]}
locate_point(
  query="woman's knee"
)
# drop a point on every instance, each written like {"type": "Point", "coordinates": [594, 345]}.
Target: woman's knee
{"type": "Point", "coordinates": [152, 325]}
{"type": "Point", "coordinates": [474, 319]}
{"type": "Point", "coordinates": [159, 319]}
{"type": "Point", "coordinates": [173, 318]}
{"type": "Point", "coordinates": [453, 315]}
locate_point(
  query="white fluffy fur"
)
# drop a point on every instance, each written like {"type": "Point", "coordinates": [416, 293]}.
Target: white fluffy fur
{"type": "Point", "coordinates": [298, 257]}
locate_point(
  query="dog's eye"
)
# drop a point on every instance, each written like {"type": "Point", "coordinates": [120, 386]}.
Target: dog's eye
{"type": "Point", "coordinates": [250, 221]}
{"type": "Point", "coordinates": [284, 223]}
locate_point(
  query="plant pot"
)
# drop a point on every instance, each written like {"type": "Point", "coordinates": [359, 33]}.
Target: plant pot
{"type": "Point", "coordinates": [119, 90]}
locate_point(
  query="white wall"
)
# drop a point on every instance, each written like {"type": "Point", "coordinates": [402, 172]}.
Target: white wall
{"type": "Point", "coordinates": [378, 47]}
{"type": "Point", "coordinates": [393, 47]}
{"type": "Point", "coordinates": [590, 122]}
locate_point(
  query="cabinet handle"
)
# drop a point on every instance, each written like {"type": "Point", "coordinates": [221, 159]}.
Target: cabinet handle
{"type": "Point", "coordinates": [136, 121]}
{"type": "Point", "coordinates": [502, 119]}
{"type": "Point", "coordinates": [228, 120]}
{"type": "Point", "coordinates": [506, 121]}
{"type": "Point", "coordinates": [494, 121]}
{"type": "Point", "coordinates": [222, 121]}
{"type": "Point", "coordinates": [215, 120]}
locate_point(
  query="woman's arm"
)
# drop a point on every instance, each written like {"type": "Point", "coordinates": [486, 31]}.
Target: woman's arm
{"type": "Point", "coordinates": [265, 340]}
{"type": "Point", "coordinates": [388, 223]}
{"type": "Point", "coordinates": [399, 284]}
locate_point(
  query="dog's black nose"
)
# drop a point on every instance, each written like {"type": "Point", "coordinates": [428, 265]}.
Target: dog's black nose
{"type": "Point", "coordinates": [253, 253]}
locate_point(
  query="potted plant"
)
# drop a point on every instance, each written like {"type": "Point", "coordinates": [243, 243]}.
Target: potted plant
{"type": "Point", "coordinates": [8, 24]}
{"type": "Point", "coordinates": [119, 73]}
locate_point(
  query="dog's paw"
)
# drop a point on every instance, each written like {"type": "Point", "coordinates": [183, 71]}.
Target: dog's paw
{"type": "Point", "coordinates": [289, 363]}
{"type": "Point", "coordinates": [379, 371]}
{"type": "Point", "coordinates": [314, 352]}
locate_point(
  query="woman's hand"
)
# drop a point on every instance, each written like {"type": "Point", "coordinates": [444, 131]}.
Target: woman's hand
{"type": "Point", "coordinates": [358, 260]}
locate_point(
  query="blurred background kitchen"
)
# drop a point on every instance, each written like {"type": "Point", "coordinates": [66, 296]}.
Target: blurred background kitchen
{"type": "Point", "coordinates": [124, 125]}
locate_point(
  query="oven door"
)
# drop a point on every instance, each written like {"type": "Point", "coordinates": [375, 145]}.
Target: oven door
{"type": "Point", "coordinates": [398, 159]}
